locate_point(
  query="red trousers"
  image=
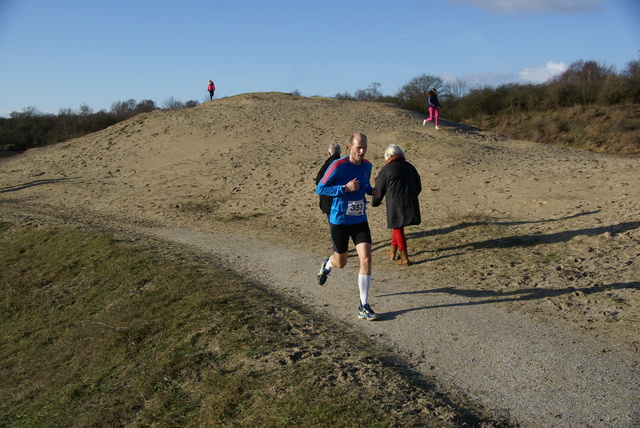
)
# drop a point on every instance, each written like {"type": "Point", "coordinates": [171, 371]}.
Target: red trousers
{"type": "Point", "coordinates": [398, 239]}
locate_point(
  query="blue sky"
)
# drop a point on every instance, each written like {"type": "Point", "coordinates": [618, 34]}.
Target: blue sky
{"type": "Point", "coordinates": [66, 53]}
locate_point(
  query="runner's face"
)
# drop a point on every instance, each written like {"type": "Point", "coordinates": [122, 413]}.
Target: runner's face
{"type": "Point", "coordinates": [357, 151]}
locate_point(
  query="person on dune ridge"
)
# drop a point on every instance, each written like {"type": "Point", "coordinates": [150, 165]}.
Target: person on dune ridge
{"type": "Point", "coordinates": [211, 88]}
{"type": "Point", "coordinates": [434, 106]}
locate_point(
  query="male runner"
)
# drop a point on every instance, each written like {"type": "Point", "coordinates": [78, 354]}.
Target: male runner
{"type": "Point", "coordinates": [347, 180]}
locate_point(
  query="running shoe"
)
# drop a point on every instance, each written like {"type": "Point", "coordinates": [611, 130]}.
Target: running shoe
{"type": "Point", "coordinates": [324, 273]}
{"type": "Point", "coordinates": [365, 312]}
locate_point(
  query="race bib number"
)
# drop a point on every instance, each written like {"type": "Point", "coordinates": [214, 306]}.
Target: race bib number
{"type": "Point", "coordinates": [355, 208]}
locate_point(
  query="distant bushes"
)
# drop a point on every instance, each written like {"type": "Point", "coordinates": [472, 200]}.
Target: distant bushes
{"type": "Point", "coordinates": [612, 129]}
{"type": "Point", "coordinates": [584, 83]}
{"type": "Point", "coordinates": [589, 106]}
{"type": "Point", "coordinates": [31, 128]}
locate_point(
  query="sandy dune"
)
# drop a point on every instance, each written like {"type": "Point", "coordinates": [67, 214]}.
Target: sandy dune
{"type": "Point", "coordinates": [525, 285]}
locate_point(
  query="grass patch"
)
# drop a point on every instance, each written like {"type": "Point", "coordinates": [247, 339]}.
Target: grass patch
{"type": "Point", "coordinates": [603, 129]}
{"type": "Point", "coordinates": [102, 332]}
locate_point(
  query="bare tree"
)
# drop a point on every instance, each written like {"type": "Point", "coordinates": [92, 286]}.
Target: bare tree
{"type": "Point", "coordinates": [372, 93]}
{"type": "Point", "coordinates": [30, 111]}
{"type": "Point", "coordinates": [85, 110]}
{"type": "Point", "coordinates": [632, 72]}
{"type": "Point", "coordinates": [415, 94]}
{"type": "Point", "coordinates": [343, 96]}
{"type": "Point", "coordinates": [145, 106]}
{"type": "Point", "coordinates": [457, 89]}
{"type": "Point", "coordinates": [585, 77]}
{"type": "Point", "coordinates": [124, 108]}
{"type": "Point", "coordinates": [172, 103]}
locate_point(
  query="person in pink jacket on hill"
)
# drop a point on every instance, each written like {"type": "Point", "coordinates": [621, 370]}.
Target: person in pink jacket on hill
{"type": "Point", "coordinates": [211, 88]}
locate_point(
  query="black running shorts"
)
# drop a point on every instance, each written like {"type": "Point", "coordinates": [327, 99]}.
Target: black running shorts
{"type": "Point", "coordinates": [341, 233]}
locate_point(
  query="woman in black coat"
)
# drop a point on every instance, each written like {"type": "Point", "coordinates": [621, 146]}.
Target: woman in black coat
{"type": "Point", "coordinates": [334, 154]}
{"type": "Point", "coordinates": [400, 183]}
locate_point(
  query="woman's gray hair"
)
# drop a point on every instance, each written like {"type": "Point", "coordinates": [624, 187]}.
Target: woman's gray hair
{"type": "Point", "coordinates": [392, 150]}
{"type": "Point", "coordinates": [334, 149]}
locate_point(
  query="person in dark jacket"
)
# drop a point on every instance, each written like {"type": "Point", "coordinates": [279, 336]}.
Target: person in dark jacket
{"type": "Point", "coordinates": [434, 108]}
{"type": "Point", "coordinates": [334, 153]}
{"type": "Point", "coordinates": [400, 182]}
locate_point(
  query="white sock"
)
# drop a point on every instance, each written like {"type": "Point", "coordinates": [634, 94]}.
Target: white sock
{"type": "Point", "coordinates": [364, 283]}
{"type": "Point", "coordinates": [328, 266]}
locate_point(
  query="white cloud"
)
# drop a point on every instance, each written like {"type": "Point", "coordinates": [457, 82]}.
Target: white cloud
{"type": "Point", "coordinates": [534, 6]}
{"type": "Point", "coordinates": [542, 74]}
{"type": "Point", "coordinates": [449, 77]}
{"type": "Point", "coordinates": [526, 75]}
{"type": "Point", "coordinates": [479, 80]}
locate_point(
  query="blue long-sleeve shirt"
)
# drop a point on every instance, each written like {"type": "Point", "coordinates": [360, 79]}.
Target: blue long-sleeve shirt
{"type": "Point", "coordinates": [347, 207]}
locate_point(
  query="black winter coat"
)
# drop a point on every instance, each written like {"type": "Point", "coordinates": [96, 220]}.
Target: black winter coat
{"type": "Point", "coordinates": [325, 201]}
{"type": "Point", "coordinates": [400, 183]}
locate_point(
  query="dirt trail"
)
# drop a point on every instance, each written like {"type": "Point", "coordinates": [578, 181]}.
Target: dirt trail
{"type": "Point", "coordinates": [543, 374]}
{"type": "Point", "coordinates": [525, 285]}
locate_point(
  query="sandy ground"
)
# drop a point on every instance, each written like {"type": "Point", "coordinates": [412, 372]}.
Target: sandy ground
{"type": "Point", "coordinates": [524, 288]}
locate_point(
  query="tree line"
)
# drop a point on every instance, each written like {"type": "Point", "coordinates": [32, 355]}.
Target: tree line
{"type": "Point", "coordinates": [584, 83]}
{"type": "Point", "coordinates": [589, 106]}
{"type": "Point", "coordinates": [32, 128]}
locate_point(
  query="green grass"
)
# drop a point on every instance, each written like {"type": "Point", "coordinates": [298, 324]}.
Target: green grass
{"type": "Point", "coordinates": [98, 331]}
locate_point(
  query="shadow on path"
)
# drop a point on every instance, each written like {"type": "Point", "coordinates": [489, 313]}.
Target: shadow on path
{"type": "Point", "coordinates": [516, 240]}
{"type": "Point", "coordinates": [464, 225]}
{"type": "Point", "coordinates": [551, 238]}
{"type": "Point", "coordinates": [484, 297]}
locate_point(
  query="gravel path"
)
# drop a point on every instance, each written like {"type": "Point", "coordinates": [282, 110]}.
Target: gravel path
{"type": "Point", "coordinates": [541, 375]}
